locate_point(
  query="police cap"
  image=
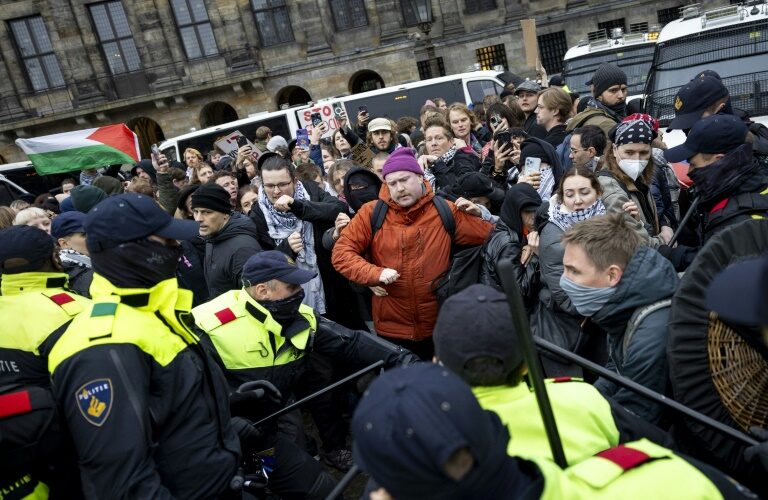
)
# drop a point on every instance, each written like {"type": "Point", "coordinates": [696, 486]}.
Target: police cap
{"type": "Point", "coordinates": [29, 243]}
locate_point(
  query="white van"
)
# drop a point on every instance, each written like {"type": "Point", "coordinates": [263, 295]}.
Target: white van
{"type": "Point", "coordinates": [20, 178]}
{"type": "Point", "coordinates": [391, 102]}
{"type": "Point", "coordinates": [283, 122]}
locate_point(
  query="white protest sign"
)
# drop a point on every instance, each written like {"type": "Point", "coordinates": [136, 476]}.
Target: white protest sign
{"type": "Point", "coordinates": [228, 145]}
{"type": "Point", "coordinates": [328, 112]}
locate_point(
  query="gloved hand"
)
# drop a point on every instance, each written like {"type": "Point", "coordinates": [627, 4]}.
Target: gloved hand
{"type": "Point", "coordinates": [758, 451]}
{"type": "Point", "coordinates": [255, 400]}
{"type": "Point", "coordinates": [251, 437]}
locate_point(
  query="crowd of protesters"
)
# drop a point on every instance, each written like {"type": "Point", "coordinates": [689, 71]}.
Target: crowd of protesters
{"type": "Point", "coordinates": [152, 317]}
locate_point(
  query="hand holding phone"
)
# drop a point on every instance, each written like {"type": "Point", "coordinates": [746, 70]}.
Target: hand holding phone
{"type": "Point", "coordinates": [317, 119]}
{"type": "Point", "coordinates": [532, 165]}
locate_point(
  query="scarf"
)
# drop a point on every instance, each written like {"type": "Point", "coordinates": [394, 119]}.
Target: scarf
{"type": "Point", "coordinates": [547, 183]}
{"type": "Point", "coordinates": [69, 256]}
{"type": "Point", "coordinates": [724, 177]}
{"type": "Point", "coordinates": [281, 225]}
{"type": "Point", "coordinates": [564, 220]}
{"type": "Point", "coordinates": [475, 143]}
{"type": "Point", "coordinates": [616, 112]}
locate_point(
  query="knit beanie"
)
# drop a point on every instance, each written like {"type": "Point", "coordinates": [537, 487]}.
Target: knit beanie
{"type": "Point", "coordinates": [84, 198]}
{"type": "Point", "coordinates": [532, 150]}
{"type": "Point", "coordinates": [185, 193]}
{"type": "Point", "coordinates": [213, 197]}
{"type": "Point", "coordinates": [110, 185]}
{"type": "Point", "coordinates": [277, 142]}
{"type": "Point", "coordinates": [606, 76]}
{"type": "Point", "coordinates": [401, 160]}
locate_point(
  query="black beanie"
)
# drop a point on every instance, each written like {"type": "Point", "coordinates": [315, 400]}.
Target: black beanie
{"type": "Point", "coordinates": [146, 165]}
{"type": "Point", "coordinates": [606, 76]}
{"type": "Point", "coordinates": [213, 197]}
{"type": "Point", "coordinates": [185, 193]}
{"type": "Point", "coordinates": [531, 149]}
{"type": "Point", "coordinates": [85, 197]}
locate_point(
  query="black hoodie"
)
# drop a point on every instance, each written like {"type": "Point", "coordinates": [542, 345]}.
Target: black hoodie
{"type": "Point", "coordinates": [226, 253]}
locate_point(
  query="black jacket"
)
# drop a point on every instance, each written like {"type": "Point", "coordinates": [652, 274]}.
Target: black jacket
{"type": "Point", "coordinates": [532, 128]}
{"type": "Point", "coordinates": [191, 270]}
{"type": "Point", "coordinates": [147, 408]}
{"type": "Point", "coordinates": [226, 253]}
{"type": "Point", "coordinates": [555, 135]}
{"type": "Point", "coordinates": [80, 278]}
{"type": "Point", "coordinates": [504, 243]}
{"type": "Point", "coordinates": [446, 174]}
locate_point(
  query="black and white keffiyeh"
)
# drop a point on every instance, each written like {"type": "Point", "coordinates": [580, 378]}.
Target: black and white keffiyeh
{"type": "Point", "coordinates": [633, 132]}
{"type": "Point", "coordinates": [564, 220]}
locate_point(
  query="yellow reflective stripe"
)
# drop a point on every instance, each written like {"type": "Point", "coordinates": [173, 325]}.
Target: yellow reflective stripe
{"type": "Point", "coordinates": [29, 318]}
{"type": "Point", "coordinates": [127, 326]}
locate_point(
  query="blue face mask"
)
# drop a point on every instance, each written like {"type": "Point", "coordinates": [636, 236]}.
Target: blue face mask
{"type": "Point", "coordinates": [586, 299]}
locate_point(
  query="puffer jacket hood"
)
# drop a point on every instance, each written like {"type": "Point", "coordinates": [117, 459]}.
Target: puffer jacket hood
{"type": "Point", "coordinates": [372, 179]}
{"type": "Point", "coordinates": [238, 224]}
{"type": "Point", "coordinates": [648, 278]}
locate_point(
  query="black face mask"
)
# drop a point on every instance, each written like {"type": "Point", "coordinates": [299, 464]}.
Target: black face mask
{"type": "Point", "coordinates": [137, 264]}
{"type": "Point", "coordinates": [620, 109]}
{"type": "Point", "coordinates": [722, 178]}
{"type": "Point", "coordinates": [284, 311]}
{"type": "Point", "coordinates": [359, 197]}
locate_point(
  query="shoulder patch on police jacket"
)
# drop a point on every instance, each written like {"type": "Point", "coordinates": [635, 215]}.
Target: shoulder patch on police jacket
{"type": "Point", "coordinates": [66, 301]}
{"type": "Point", "coordinates": [212, 320]}
{"type": "Point", "coordinates": [94, 400]}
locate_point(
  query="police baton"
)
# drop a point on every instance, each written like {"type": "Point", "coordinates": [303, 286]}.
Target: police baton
{"type": "Point", "coordinates": [506, 272]}
{"type": "Point", "coordinates": [339, 489]}
{"type": "Point", "coordinates": [686, 217]}
{"type": "Point", "coordinates": [645, 392]}
{"type": "Point", "coordinates": [325, 390]}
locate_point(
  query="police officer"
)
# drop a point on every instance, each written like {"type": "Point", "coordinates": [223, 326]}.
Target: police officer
{"type": "Point", "coordinates": [263, 331]}
{"type": "Point", "coordinates": [420, 434]}
{"type": "Point", "coordinates": [35, 455]}
{"type": "Point", "coordinates": [491, 361]}
{"type": "Point", "coordinates": [147, 409]}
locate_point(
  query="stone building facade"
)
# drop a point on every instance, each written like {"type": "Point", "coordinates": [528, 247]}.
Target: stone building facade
{"type": "Point", "coordinates": [165, 67]}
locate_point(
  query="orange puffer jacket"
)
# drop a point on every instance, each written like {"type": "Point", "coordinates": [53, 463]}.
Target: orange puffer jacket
{"type": "Point", "coordinates": [412, 241]}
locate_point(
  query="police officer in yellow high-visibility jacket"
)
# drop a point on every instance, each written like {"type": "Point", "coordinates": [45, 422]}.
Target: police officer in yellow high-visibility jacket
{"type": "Point", "coordinates": [263, 331]}
{"type": "Point", "coordinates": [491, 361]}
{"type": "Point", "coordinates": [420, 434]}
{"type": "Point", "coordinates": [34, 306]}
{"type": "Point", "coordinates": [147, 408]}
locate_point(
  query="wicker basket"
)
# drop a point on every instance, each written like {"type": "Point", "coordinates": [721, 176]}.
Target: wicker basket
{"type": "Point", "coordinates": [740, 375]}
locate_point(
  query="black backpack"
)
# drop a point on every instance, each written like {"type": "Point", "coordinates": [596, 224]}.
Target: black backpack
{"type": "Point", "coordinates": [466, 261]}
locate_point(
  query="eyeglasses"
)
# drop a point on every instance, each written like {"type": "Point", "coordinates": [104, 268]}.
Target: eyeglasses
{"type": "Point", "coordinates": [280, 186]}
{"type": "Point", "coordinates": [576, 150]}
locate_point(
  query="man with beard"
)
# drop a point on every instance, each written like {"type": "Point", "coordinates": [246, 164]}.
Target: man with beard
{"type": "Point", "coordinates": [147, 408]}
{"type": "Point", "coordinates": [730, 184]}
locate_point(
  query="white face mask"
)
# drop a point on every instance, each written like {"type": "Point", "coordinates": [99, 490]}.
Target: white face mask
{"type": "Point", "coordinates": [633, 168]}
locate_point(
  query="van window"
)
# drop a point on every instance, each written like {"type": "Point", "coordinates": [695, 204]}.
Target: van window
{"type": "Point", "coordinates": [478, 89]}
{"type": "Point", "coordinates": [7, 194]}
{"type": "Point", "coordinates": [393, 103]}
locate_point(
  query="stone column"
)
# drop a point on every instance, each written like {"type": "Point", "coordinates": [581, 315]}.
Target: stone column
{"type": "Point", "coordinates": [391, 20]}
{"type": "Point", "coordinates": [161, 69]}
{"type": "Point", "coordinates": [73, 58]}
{"type": "Point", "coordinates": [310, 22]}
{"type": "Point", "coordinates": [228, 21]}
{"type": "Point", "coordinates": [449, 12]}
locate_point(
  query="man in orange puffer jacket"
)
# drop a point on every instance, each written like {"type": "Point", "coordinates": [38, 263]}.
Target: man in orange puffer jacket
{"type": "Point", "coordinates": [402, 259]}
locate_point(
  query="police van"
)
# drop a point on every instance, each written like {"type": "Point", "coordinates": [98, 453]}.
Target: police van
{"type": "Point", "coordinates": [732, 40]}
{"type": "Point", "coordinates": [632, 52]}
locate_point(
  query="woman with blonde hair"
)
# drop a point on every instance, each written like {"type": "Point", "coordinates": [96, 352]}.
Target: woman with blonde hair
{"type": "Point", "coordinates": [33, 216]}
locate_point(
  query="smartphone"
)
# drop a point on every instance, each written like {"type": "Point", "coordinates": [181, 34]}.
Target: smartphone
{"type": "Point", "coordinates": [316, 118]}
{"type": "Point", "coordinates": [155, 152]}
{"type": "Point", "coordinates": [338, 110]}
{"type": "Point", "coordinates": [242, 141]}
{"type": "Point", "coordinates": [532, 165]}
{"type": "Point", "coordinates": [495, 120]}
{"type": "Point", "coordinates": [302, 139]}
{"type": "Point", "coordinates": [504, 137]}
{"type": "Point", "coordinates": [362, 109]}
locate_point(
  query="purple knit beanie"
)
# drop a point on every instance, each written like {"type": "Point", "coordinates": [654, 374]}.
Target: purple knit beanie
{"type": "Point", "coordinates": [401, 160]}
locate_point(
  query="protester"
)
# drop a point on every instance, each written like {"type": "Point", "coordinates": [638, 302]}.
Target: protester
{"type": "Point", "coordinates": [626, 177]}
{"type": "Point", "coordinates": [407, 254]}
{"type": "Point", "coordinates": [624, 288]}
{"type": "Point", "coordinates": [35, 217]}
{"type": "Point", "coordinates": [447, 158]}
{"type": "Point", "coordinates": [69, 233]}
{"type": "Point", "coordinates": [552, 111]}
{"type": "Point", "coordinates": [229, 238]}
{"type": "Point", "coordinates": [515, 238]}
{"type": "Point", "coordinates": [527, 94]}
{"type": "Point", "coordinates": [546, 173]}
{"type": "Point", "coordinates": [247, 197]}
{"type": "Point", "coordinates": [228, 181]}
{"type": "Point", "coordinates": [587, 146]}
{"type": "Point", "coordinates": [124, 366]}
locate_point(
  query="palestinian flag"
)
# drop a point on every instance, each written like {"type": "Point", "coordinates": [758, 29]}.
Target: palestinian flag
{"type": "Point", "coordinates": [81, 149]}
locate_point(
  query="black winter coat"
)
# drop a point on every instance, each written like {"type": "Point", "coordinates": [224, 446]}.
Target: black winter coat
{"type": "Point", "coordinates": [446, 174]}
{"type": "Point", "coordinates": [226, 253]}
{"type": "Point", "coordinates": [504, 243]}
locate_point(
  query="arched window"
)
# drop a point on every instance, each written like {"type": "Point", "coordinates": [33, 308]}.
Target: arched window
{"type": "Point", "coordinates": [292, 96]}
{"type": "Point", "coordinates": [148, 132]}
{"type": "Point", "coordinates": [216, 113]}
{"type": "Point", "coordinates": [365, 80]}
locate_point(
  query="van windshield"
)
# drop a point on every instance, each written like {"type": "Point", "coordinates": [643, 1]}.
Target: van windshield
{"type": "Point", "coordinates": [634, 60]}
{"type": "Point", "coordinates": [739, 54]}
